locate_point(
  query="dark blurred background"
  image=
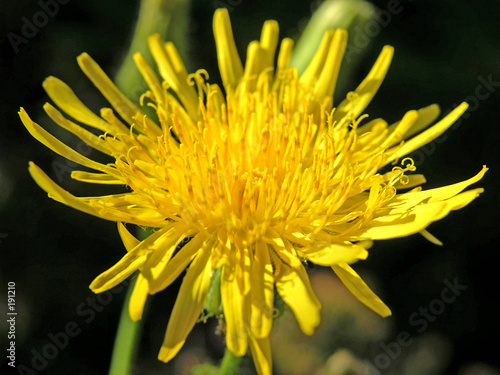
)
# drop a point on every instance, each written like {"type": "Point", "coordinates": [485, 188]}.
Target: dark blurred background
{"type": "Point", "coordinates": [445, 50]}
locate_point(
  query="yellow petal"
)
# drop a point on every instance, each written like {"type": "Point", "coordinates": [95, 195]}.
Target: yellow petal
{"type": "Point", "coordinates": [430, 134]}
{"type": "Point", "coordinates": [261, 353]}
{"type": "Point", "coordinates": [328, 77]}
{"type": "Point", "coordinates": [123, 106]}
{"type": "Point", "coordinates": [413, 180]}
{"type": "Point", "coordinates": [244, 260]}
{"type": "Point", "coordinates": [375, 128]}
{"type": "Point", "coordinates": [59, 147]}
{"type": "Point", "coordinates": [437, 194]}
{"type": "Point", "coordinates": [138, 298]}
{"type": "Point", "coordinates": [335, 253]}
{"type": "Point", "coordinates": [66, 99]}
{"type": "Point", "coordinates": [262, 292]}
{"type": "Point", "coordinates": [233, 303]}
{"type": "Point", "coordinates": [313, 70]}
{"type": "Point", "coordinates": [252, 66]}
{"type": "Point", "coordinates": [150, 77]}
{"type": "Point", "coordinates": [129, 241]}
{"type": "Point", "coordinates": [268, 43]}
{"type": "Point", "coordinates": [230, 66]}
{"type": "Point", "coordinates": [430, 237]}
{"type": "Point", "coordinates": [119, 272]}
{"type": "Point", "coordinates": [367, 89]}
{"type": "Point", "coordinates": [176, 61]}
{"type": "Point", "coordinates": [188, 305]}
{"type": "Point", "coordinates": [97, 178]}
{"type": "Point", "coordinates": [426, 116]}
{"type": "Point", "coordinates": [166, 247]}
{"type": "Point", "coordinates": [400, 130]}
{"type": "Point", "coordinates": [57, 193]}
{"type": "Point", "coordinates": [153, 269]}
{"type": "Point", "coordinates": [168, 272]}
{"type": "Point", "coordinates": [89, 138]}
{"type": "Point", "coordinates": [360, 290]}
{"type": "Point", "coordinates": [116, 210]}
{"type": "Point", "coordinates": [115, 207]}
{"type": "Point", "coordinates": [178, 82]}
{"type": "Point", "coordinates": [131, 262]}
{"type": "Point", "coordinates": [285, 54]}
{"type": "Point", "coordinates": [292, 283]}
{"type": "Point", "coordinates": [415, 220]}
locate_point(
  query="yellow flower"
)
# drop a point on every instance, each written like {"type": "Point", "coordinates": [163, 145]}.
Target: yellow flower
{"type": "Point", "coordinates": [255, 178]}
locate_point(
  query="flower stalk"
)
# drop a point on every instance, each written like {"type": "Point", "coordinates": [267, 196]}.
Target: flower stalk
{"type": "Point", "coordinates": [127, 338]}
{"type": "Point", "coordinates": [230, 364]}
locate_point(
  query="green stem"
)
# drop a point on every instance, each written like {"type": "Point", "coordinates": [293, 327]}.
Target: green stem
{"type": "Point", "coordinates": [230, 364]}
{"type": "Point", "coordinates": [126, 341]}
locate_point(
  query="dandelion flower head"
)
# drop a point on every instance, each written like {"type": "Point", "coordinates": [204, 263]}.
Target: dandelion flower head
{"type": "Point", "coordinates": [253, 179]}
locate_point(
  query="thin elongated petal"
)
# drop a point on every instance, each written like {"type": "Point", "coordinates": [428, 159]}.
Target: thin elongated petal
{"type": "Point", "coordinates": [426, 116]}
{"type": "Point", "coordinates": [178, 82]}
{"type": "Point", "coordinates": [57, 146]}
{"type": "Point", "coordinates": [401, 129]}
{"type": "Point", "coordinates": [66, 99]}
{"type": "Point", "coordinates": [173, 268]}
{"type": "Point", "coordinates": [313, 70]}
{"type": "Point", "coordinates": [230, 65]}
{"type": "Point", "coordinates": [437, 194]}
{"type": "Point", "coordinates": [328, 78]}
{"type": "Point", "coordinates": [188, 305]}
{"type": "Point", "coordinates": [150, 77]}
{"type": "Point", "coordinates": [176, 61]}
{"type": "Point", "coordinates": [285, 54]}
{"type": "Point", "coordinates": [252, 67]}
{"type": "Point", "coordinates": [122, 105]}
{"type": "Point", "coordinates": [415, 220]}
{"type": "Point", "coordinates": [360, 290]}
{"type": "Point", "coordinates": [119, 272]}
{"type": "Point", "coordinates": [86, 136]}
{"type": "Point", "coordinates": [294, 288]}
{"type": "Point", "coordinates": [430, 134]}
{"type": "Point", "coordinates": [97, 178]}
{"type": "Point", "coordinates": [131, 262]}
{"type": "Point", "coordinates": [153, 269]}
{"type": "Point", "coordinates": [335, 253]}
{"type": "Point", "coordinates": [262, 292]}
{"type": "Point", "coordinates": [234, 305]}
{"type": "Point", "coordinates": [125, 108]}
{"type": "Point", "coordinates": [268, 43]}
{"type": "Point", "coordinates": [430, 237]}
{"type": "Point", "coordinates": [261, 353]}
{"type": "Point", "coordinates": [57, 193]}
{"type": "Point", "coordinates": [138, 298]}
{"type": "Point", "coordinates": [367, 89]}
{"type": "Point", "coordinates": [129, 241]}
{"type": "Point", "coordinates": [413, 180]}
{"type": "Point", "coordinates": [96, 205]}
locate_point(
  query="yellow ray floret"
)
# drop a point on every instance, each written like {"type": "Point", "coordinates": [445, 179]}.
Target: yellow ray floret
{"type": "Point", "coordinates": [253, 180]}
